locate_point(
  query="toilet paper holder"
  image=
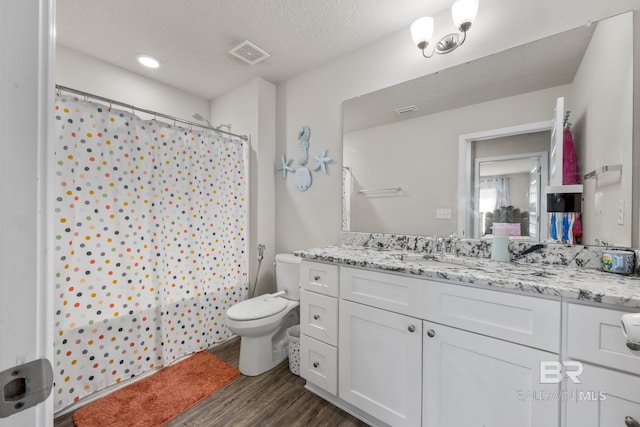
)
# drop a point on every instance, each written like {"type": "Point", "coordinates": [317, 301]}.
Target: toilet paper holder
{"type": "Point", "coordinates": [631, 330]}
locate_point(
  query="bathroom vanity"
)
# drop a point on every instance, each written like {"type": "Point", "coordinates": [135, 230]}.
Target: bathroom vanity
{"type": "Point", "coordinates": [444, 341]}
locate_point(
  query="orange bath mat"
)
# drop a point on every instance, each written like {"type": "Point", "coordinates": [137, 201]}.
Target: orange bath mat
{"type": "Point", "coordinates": [156, 399]}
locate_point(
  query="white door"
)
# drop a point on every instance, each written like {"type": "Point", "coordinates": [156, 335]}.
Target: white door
{"type": "Point", "coordinates": [603, 398]}
{"type": "Point", "coordinates": [474, 380]}
{"type": "Point", "coordinates": [557, 144]}
{"type": "Point", "coordinates": [26, 309]}
{"type": "Point", "coordinates": [537, 200]}
{"type": "Point", "coordinates": [380, 363]}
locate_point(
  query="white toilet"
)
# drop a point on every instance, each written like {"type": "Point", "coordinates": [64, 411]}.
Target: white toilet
{"type": "Point", "coordinates": [261, 322]}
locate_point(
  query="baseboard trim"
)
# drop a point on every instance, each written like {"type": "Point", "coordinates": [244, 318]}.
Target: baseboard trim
{"type": "Point", "coordinates": [345, 406]}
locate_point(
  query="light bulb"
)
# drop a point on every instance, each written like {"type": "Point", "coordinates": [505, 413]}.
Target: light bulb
{"type": "Point", "coordinates": [421, 31]}
{"type": "Point", "coordinates": [464, 12]}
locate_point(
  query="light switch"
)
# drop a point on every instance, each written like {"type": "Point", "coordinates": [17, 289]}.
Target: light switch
{"type": "Point", "coordinates": [597, 203]}
{"type": "Point", "coordinates": [620, 218]}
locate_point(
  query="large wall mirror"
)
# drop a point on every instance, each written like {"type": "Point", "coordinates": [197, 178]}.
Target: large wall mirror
{"type": "Point", "coordinates": [402, 146]}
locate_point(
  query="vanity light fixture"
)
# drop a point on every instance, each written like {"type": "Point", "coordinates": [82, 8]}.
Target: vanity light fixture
{"type": "Point", "coordinates": [463, 13]}
{"type": "Point", "coordinates": [148, 60]}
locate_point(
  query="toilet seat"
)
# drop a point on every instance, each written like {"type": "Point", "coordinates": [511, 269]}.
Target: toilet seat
{"type": "Point", "coordinates": [257, 308]}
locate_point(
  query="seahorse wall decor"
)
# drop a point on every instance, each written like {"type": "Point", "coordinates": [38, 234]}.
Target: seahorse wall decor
{"type": "Point", "coordinates": [303, 137]}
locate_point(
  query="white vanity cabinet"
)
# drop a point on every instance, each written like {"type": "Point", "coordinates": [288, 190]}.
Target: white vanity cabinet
{"type": "Point", "coordinates": [380, 345]}
{"type": "Point", "coordinates": [319, 325]}
{"type": "Point", "coordinates": [474, 380]}
{"type": "Point", "coordinates": [609, 387]}
{"type": "Point", "coordinates": [397, 350]}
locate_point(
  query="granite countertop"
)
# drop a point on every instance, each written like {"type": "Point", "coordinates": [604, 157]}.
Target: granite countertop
{"type": "Point", "coordinates": [543, 279]}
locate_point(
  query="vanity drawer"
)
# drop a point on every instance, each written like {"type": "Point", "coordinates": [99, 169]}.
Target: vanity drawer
{"type": "Point", "coordinates": [392, 292]}
{"type": "Point", "coordinates": [319, 277]}
{"type": "Point", "coordinates": [595, 335]}
{"type": "Point", "coordinates": [319, 317]}
{"type": "Point", "coordinates": [521, 319]}
{"type": "Point", "coordinates": [319, 364]}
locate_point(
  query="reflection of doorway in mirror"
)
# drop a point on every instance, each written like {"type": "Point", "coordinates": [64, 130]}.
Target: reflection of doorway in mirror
{"type": "Point", "coordinates": [522, 141]}
{"type": "Point", "coordinates": [508, 192]}
{"type": "Point", "coordinates": [522, 160]}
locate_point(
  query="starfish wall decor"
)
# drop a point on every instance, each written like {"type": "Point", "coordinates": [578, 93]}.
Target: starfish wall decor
{"type": "Point", "coordinates": [284, 167]}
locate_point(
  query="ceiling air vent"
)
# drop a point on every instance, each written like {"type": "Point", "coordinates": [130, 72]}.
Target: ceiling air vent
{"type": "Point", "coordinates": [249, 53]}
{"type": "Point", "coordinates": [407, 109]}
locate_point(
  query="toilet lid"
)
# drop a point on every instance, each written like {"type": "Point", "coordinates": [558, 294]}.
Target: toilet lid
{"type": "Point", "coordinates": [256, 308]}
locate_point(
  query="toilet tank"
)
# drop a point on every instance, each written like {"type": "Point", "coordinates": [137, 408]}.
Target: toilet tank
{"type": "Point", "coordinates": [288, 275]}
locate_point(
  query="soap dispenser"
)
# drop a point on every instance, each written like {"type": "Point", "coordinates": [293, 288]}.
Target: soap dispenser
{"type": "Point", "coordinates": [500, 245]}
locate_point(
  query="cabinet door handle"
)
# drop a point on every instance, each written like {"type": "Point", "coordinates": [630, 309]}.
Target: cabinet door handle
{"type": "Point", "coordinates": [411, 328]}
{"type": "Point", "coordinates": [316, 278]}
{"type": "Point", "coordinates": [633, 346]}
{"type": "Point", "coordinates": [631, 422]}
{"type": "Point", "coordinates": [316, 364]}
{"type": "Point", "coordinates": [431, 333]}
{"type": "Point", "coordinates": [316, 316]}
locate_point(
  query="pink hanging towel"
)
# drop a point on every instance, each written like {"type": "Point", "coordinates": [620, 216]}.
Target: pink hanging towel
{"type": "Point", "coordinates": [571, 173]}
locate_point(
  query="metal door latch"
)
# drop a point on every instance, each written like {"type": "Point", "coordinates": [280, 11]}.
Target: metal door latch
{"type": "Point", "coordinates": [24, 386]}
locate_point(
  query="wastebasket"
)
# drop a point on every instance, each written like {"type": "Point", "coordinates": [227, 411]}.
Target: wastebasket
{"type": "Point", "coordinates": [293, 338]}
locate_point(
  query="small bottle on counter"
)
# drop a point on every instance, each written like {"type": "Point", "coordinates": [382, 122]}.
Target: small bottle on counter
{"type": "Point", "coordinates": [500, 244]}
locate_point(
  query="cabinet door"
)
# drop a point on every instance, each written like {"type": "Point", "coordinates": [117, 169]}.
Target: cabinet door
{"type": "Point", "coordinates": [473, 380]}
{"type": "Point", "coordinates": [603, 398]}
{"type": "Point", "coordinates": [380, 363]}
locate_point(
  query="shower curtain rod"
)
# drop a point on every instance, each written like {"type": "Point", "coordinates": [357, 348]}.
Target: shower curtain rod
{"type": "Point", "coordinates": [153, 113]}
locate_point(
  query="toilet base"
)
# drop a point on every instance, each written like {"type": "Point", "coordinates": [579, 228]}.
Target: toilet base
{"type": "Point", "coordinates": [252, 365]}
{"type": "Point", "coordinates": [261, 354]}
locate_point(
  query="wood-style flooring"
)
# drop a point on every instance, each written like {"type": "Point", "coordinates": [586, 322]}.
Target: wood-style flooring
{"type": "Point", "coordinates": [275, 398]}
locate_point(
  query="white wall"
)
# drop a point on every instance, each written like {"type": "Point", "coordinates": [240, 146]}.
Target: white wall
{"type": "Point", "coordinates": [603, 130]}
{"type": "Point", "coordinates": [421, 156]}
{"type": "Point", "coordinates": [314, 98]}
{"type": "Point", "coordinates": [250, 109]}
{"type": "Point", "coordinates": [82, 72]}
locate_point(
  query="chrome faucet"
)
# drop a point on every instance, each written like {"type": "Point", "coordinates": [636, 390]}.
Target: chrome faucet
{"type": "Point", "coordinates": [445, 245]}
{"type": "Point", "coordinates": [450, 246]}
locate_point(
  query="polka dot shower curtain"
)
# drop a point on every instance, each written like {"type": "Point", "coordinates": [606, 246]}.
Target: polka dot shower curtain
{"type": "Point", "coordinates": [150, 228]}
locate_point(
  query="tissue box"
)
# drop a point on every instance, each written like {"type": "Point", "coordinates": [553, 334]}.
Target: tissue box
{"type": "Point", "coordinates": [513, 228]}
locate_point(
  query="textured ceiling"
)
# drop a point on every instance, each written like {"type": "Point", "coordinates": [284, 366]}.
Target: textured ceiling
{"type": "Point", "coordinates": [192, 37]}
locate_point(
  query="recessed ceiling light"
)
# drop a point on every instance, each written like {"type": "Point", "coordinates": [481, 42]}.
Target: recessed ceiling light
{"type": "Point", "coordinates": [148, 61]}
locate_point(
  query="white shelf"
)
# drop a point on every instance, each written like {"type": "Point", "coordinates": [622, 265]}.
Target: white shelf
{"type": "Point", "coordinates": [555, 189]}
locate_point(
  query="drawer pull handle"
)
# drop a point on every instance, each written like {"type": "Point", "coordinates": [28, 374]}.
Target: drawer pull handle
{"type": "Point", "coordinates": [631, 422]}
{"type": "Point", "coordinates": [411, 328]}
{"type": "Point", "coordinates": [634, 346]}
{"type": "Point", "coordinates": [316, 278]}
{"type": "Point", "coordinates": [431, 333]}
{"type": "Point", "coordinates": [316, 316]}
{"type": "Point", "coordinates": [316, 364]}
